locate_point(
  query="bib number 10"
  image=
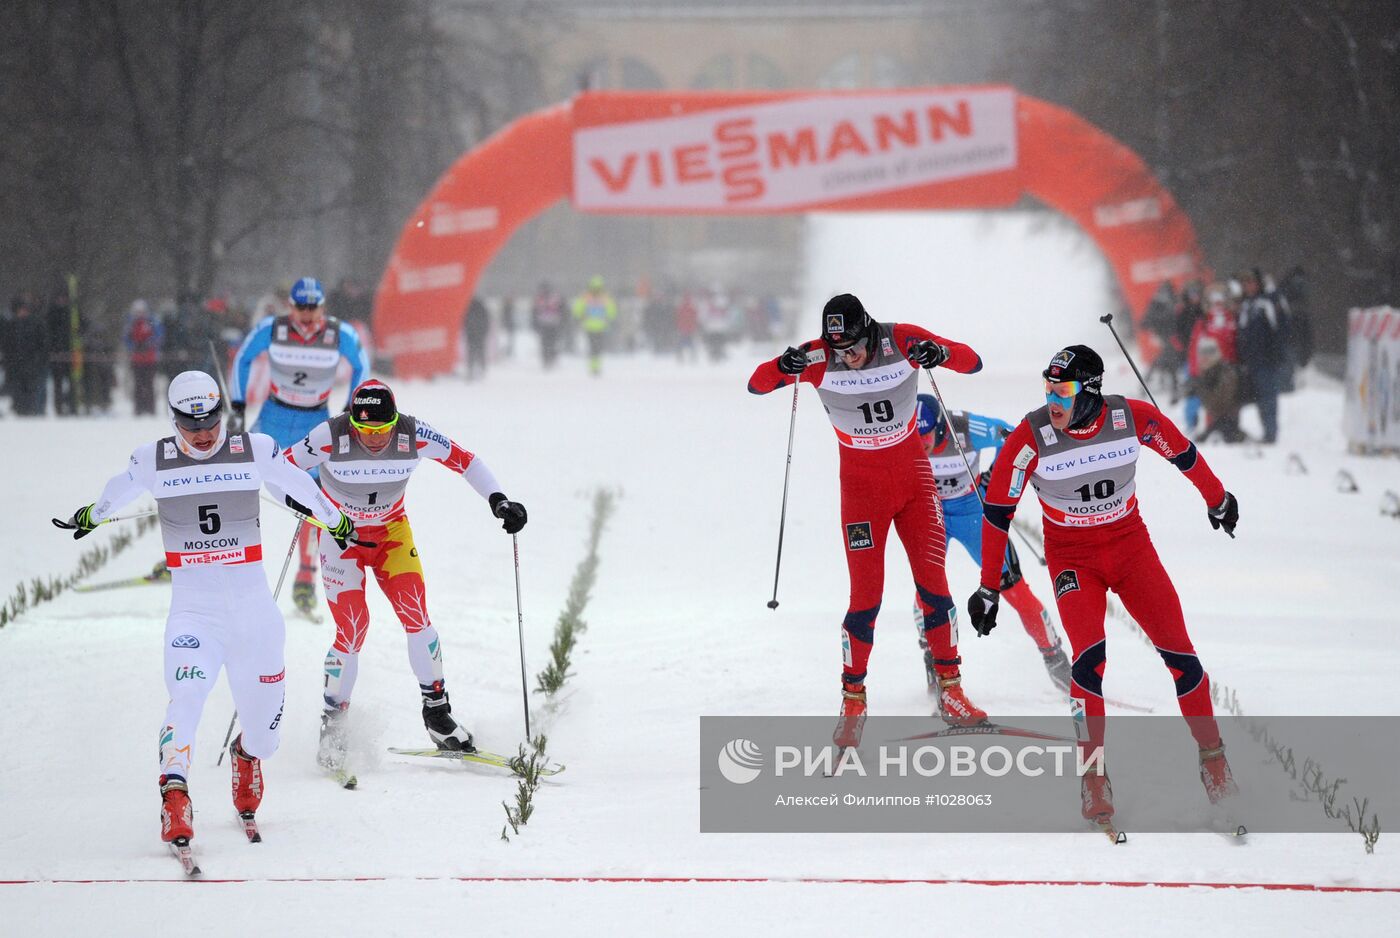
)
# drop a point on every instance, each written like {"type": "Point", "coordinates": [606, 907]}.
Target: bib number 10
{"type": "Point", "coordinates": [881, 411]}
{"type": "Point", "coordinates": [1102, 489]}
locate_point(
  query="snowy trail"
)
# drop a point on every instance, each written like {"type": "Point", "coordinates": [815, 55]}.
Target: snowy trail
{"type": "Point", "coordinates": [1297, 615]}
{"type": "Point", "coordinates": [678, 628]}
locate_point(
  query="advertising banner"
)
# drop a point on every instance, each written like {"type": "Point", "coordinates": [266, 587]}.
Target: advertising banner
{"type": "Point", "coordinates": [1372, 413]}
{"type": "Point", "coordinates": [787, 154]}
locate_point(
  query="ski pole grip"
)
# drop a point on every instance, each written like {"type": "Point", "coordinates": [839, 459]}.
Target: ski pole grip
{"type": "Point", "coordinates": [1106, 318]}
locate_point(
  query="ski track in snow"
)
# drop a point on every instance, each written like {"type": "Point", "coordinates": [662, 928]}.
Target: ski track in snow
{"type": "Point", "coordinates": [1297, 615]}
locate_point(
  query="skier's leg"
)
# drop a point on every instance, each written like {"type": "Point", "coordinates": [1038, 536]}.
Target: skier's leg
{"type": "Point", "coordinates": [400, 574]}
{"type": "Point", "coordinates": [920, 524]}
{"type": "Point", "coordinates": [865, 526]}
{"type": "Point", "coordinates": [194, 652]}
{"type": "Point", "coordinates": [343, 576]}
{"type": "Point", "coordinates": [1150, 598]}
{"type": "Point", "coordinates": [1081, 596]}
{"type": "Point", "coordinates": [256, 667]}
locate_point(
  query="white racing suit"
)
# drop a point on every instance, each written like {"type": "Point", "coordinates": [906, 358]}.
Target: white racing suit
{"type": "Point", "coordinates": [222, 614]}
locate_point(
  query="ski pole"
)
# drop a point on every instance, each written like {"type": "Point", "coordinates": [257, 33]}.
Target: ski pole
{"type": "Point", "coordinates": [787, 474]}
{"type": "Point", "coordinates": [520, 629]}
{"type": "Point", "coordinates": [1107, 320]}
{"type": "Point", "coordinates": [1027, 541]}
{"type": "Point", "coordinates": [70, 526]}
{"type": "Point", "coordinates": [314, 522]}
{"type": "Point", "coordinates": [218, 369]}
{"type": "Point", "coordinates": [232, 721]}
{"type": "Point", "coordinates": [957, 444]}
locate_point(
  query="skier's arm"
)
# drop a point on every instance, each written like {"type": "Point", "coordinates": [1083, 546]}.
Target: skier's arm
{"type": "Point", "coordinates": [767, 377]}
{"type": "Point", "coordinates": [312, 450]}
{"type": "Point", "coordinates": [281, 477]}
{"type": "Point", "coordinates": [1009, 473]}
{"type": "Point", "coordinates": [961, 358]}
{"type": "Point", "coordinates": [122, 489]}
{"type": "Point", "coordinates": [254, 344]}
{"type": "Point", "coordinates": [1157, 432]}
{"type": "Point", "coordinates": [353, 351]}
{"type": "Point", "coordinates": [987, 432]}
{"type": "Point", "coordinates": [445, 451]}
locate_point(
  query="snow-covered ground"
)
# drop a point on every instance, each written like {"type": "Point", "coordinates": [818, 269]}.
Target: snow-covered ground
{"type": "Point", "coordinates": [1296, 614]}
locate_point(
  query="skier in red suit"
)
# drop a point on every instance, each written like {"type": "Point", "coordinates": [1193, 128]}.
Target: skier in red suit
{"type": "Point", "coordinates": [866, 374]}
{"type": "Point", "coordinates": [1080, 453]}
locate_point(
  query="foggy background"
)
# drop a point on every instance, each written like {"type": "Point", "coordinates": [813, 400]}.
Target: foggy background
{"type": "Point", "coordinates": [220, 148]}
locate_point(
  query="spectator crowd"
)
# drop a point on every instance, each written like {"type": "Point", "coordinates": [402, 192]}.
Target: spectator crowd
{"type": "Point", "coordinates": [63, 354]}
{"type": "Point", "coordinates": [1228, 345]}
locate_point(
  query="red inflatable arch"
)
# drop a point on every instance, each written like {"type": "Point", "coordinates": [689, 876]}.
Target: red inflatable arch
{"type": "Point", "coordinates": [768, 152]}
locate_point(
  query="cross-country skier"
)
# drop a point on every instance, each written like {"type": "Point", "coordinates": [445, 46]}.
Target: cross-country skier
{"type": "Point", "coordinates": [205, 482]}
{"type": "Point", "coordinates": [962, 519]}
{"type": "Point", "coordinates": [366, 456]}
{"type": "Point", "coordinates": [866, 373]}
{"type": "Point", "coordinates": [304, 349]}
{"type": "Point", "coordinates": [1080, 452]}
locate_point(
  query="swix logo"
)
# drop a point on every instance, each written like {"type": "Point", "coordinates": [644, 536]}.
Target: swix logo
{"type": "Point", "coordinates": [188, 672]}
{"type": "Point", "coordinates": [795, 151]}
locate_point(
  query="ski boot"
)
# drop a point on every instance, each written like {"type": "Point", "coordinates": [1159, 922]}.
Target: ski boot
{"type": "Point", "coordinates": [1215, 774]}
{"type": "Point", "coordinates": [176, 812]}
{"type": "Point", "coordinates": [953, 705]}
{"type": "Point", "coordinates": [304, 596]}
{"type": "Point", "coordinates": [159, 572]}
{"type": "Point", "coordinates": [1058, 667]}
{"type": "Point", "coordinates": [247, 779]}
{"type": "Point", "coordinates": [852, 719]}
{"type": "Point", "coordinates": [1096, 797]}
{"type": "Point", "coordinates": [330, 753]}
{"type": "Point", "coordinates": [443, 730]}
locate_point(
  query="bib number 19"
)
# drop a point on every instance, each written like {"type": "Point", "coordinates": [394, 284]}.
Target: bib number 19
{"type": "Point", "coordinates": [881, 411]}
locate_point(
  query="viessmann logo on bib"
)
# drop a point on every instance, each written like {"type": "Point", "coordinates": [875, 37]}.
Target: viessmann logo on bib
{"type": "Point", "coordinates": [795, 152]}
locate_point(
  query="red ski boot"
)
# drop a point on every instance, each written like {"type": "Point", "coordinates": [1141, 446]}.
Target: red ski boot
{"type": "Point", "coordinates": [1096, 797]}
{"type": "Point", "coordinates": [247, 779]}
{"type": "Point", "coordinates": [953, 705]}
{"type": "Point", "coordinates": [1215, 775]}
{"type": "Point", "coordinates": [176, 812]}
{"type": "Point", "coordinates": [852, 719]}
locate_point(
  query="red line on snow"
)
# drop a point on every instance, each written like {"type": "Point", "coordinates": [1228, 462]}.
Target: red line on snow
{"type": "Point", "coordinates": [708, 880]}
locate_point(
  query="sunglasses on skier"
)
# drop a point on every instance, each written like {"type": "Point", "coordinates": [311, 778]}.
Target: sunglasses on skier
{"type": "Point", "coordinates": [195, 423]}
{"type": "Point", "coordinates": [374, 429]}
{"type": "Point", "coordinates": [1063, 389]}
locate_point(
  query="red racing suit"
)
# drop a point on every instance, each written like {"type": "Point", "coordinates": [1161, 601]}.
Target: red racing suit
{"type": "Point", "coordinates": [1095, 541]}
{"type": "Point", "coordinates": [369, 488]}
{"type": "Point", "coordinates": [885, 477]}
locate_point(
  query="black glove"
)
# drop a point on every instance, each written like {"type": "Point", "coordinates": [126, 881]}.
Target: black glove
{"type": "Point", "coordinates": [295, 505]}
{"type": "Point", "coordinates": [343, 531]}
{"type": "Point", "coordinates": [82, 522]}
{"type": "Point", "coordinates": [512, 514]}
{"type": "Point", "coordinates": [235, 417]}
{"type": "Point", "coordinates": [982, 610]}
{"type": "Point", "coordinates": [927, 354]}
{"type": "Point", "coordinates": [1225, 515]}
{"type": "Point", "coordinates": [984, 481]}
{"type": "Point", "coordinates": [793, 361]}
